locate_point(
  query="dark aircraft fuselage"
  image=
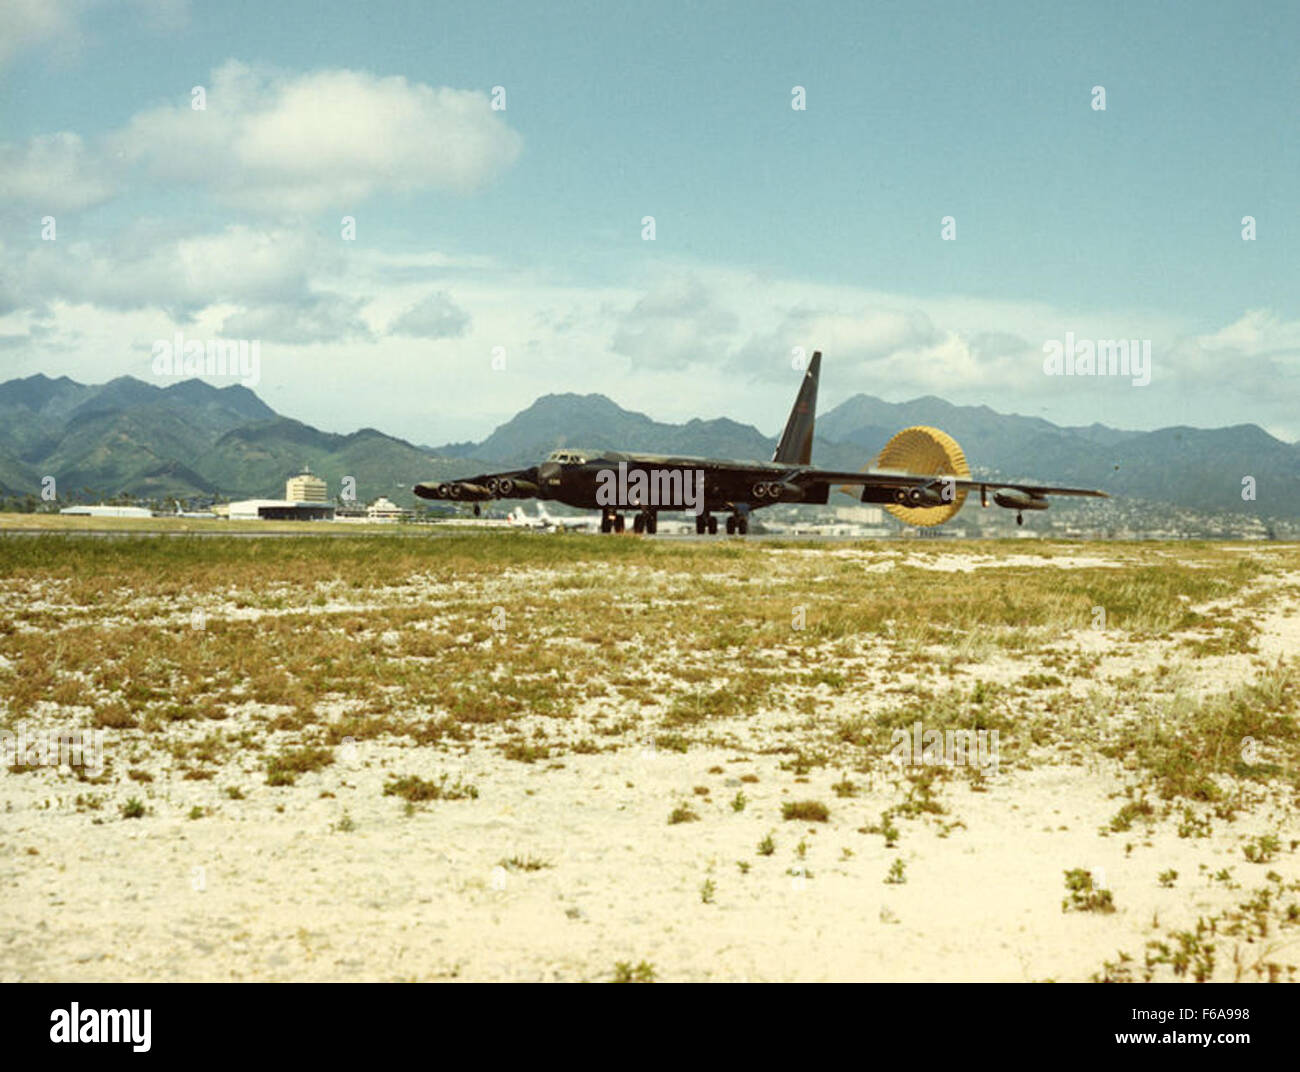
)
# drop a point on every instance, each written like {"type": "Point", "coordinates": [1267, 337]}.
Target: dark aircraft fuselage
{"type": "Point", "coordinates": [673, 482]}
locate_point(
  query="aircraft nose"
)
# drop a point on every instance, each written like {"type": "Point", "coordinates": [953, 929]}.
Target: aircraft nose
{"type": "Point", "coordinates": [548, 474]}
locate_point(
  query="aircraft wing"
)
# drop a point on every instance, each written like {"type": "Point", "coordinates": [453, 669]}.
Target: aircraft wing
{"type": "Point", "coordinates": [932, 498]}
{"type": "Point", "coordinates": [889, 478]}
{"type": "Point", "coordinates": [515, 484]}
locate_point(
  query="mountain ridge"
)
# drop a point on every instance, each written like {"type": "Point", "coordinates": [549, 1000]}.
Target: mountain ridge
{"type": "Point", "coordinates": [189, 439]}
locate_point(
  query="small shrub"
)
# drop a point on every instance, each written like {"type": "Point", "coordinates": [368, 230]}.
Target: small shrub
{"type": "Point", "coordinates": [524, 863]}
{"type": "Point", "coordinates": [1083, 896]}
{"type": "Point", "coordinates": [1134, 809]}
{"type": "Point", "coordinates": [285, 768]}
{"type": "Point", "coordinates": [682, 814]}
{"type": "Point", "coordinates": [416, 790]}
{"type": "Point", "coordinates": [809, 811]}
{"type": "Point", "coordinates": [642, 973]}
{"type": "Point", "coordinates": [1262, 849]}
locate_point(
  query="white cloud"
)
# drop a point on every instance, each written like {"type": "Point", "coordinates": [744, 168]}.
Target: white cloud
{"type": "Point", "coordinates": [60, 24]}
{"type": "Point", "coordinates": [271, 141]}
{"type": "Point", "coordinates": [33, 22]}
{"type": "Point", "coordinates": [241, 264]}
{"type": "Point", "coordinates": [53, 173]}
{"type": "Point", "coordinates": [434, 317]}
{"type": "Point", "coordinates": [674, 325]}
{"type": "Point", "coordinates": [1257, 333]}
{"type": "Point", "coordinates": [1248, 370]}
{"type": "Point", "coordinates": [699, 340]}
{"type": "Point", "coordinates": [320, 319]}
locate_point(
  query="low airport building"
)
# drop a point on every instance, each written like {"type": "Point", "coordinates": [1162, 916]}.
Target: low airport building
{"type": "Point", "coordinates": [107, 511]}
{"type": "Point", "coordinates": [304, 500]}
{"type": "Point", "coordinates": [277, 510]}
{"type": "Point", "coordinates": [860, 515]}
{"type": "Point", "coordinates": [383, 509]}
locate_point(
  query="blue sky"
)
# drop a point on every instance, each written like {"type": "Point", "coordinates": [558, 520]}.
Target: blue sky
{"type": "Point", "coordinates": [775, 228]}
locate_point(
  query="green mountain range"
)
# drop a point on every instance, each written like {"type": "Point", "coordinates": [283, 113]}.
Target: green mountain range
{"type": "Point", "coordinates": [192, 440]}
{"type": "Point", "coordinates": [187, 440]}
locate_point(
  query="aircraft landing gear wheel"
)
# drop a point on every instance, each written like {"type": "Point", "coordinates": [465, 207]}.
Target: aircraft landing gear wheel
{"type": "Point", "coordinates": [701, 524]}
{"type": "Point", "coordinates": [731, 526]}
{"type": "Point", "coordinates": [638, 523]}
{"type": "Point", "coordinates": [651, 524]}
{"type": "Point", "coordinates": [742, 526]}
{"type": "Point", "coordinates": [606, 523]}
{"type": "Point", "coordinates": [618, 522]}
{"type": "Point", "coordinates": [713, 525]}
{"type": "Point", "coordinates": [1020, 519]}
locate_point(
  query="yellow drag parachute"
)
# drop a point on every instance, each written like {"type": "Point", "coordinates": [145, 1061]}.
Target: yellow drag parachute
{"type": "Point", "coordinates": [926, 452]}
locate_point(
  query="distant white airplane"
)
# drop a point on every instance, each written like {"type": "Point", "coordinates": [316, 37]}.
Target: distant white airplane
{"type": "Point", "coordinates": [476, 522]}
{"type": "Point", "coordinates": [195, 513]}
{"type": "Point", "coordinates": [544, 521]}
{"type": "Point", "coordinates": [547, 522]}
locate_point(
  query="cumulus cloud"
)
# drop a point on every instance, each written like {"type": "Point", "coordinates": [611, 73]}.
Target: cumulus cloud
{"type": "Point", "coordinates": [1258, 333]}
{"type": "Point", "coordinates": [870, 333]}
{"type": "Point", "coordinates": [938, 367]}
{"type": "Point", "coordinates": [1251, 367]}
{"type": "Point", "coordinates": [274, 284]}
{"type": "Point", "coordinates": [32, 22]}
{"type": "Point", "coordinates": [319, 319]}
{"type": "Point", "coordinates": [701, 341]}
{"type": "Point", "coordinates": [857, 333]}
{"type": "Point", "coordinates": [54, 173]}
{"type": "Point", "coordinates": [434, 317]}
{"type": "Point", "coordinates": [274, 143]}
{"type": "Point", "coordinates": [243, 265]}
{"type": "Point", "coordinates": [675, 324]}
{"type": "Point", "coordinates": [60, 24]}
{"type": "Point", "coordinates": [268, 140]}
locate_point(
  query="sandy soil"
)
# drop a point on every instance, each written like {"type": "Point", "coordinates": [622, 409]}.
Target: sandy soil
{"type": "Point", "coordinates": [330, 879]}
{"type": "Point", "coordinates": [267, 895]}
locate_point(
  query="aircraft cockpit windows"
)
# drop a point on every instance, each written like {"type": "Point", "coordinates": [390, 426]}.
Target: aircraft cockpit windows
{"type": "Point", "coordinates": [565, 457]}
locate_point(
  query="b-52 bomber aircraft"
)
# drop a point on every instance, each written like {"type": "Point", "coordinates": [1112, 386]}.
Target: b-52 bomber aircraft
{"type": "Point", "coordinates": [921, 477]}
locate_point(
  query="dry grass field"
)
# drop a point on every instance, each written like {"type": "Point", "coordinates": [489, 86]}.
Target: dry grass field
{"type": "Point", "coordinates": [495, 755]}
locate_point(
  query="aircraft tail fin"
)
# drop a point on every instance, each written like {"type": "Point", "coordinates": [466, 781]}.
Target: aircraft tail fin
{"type": "Point", "coordinates": [796, 441]}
